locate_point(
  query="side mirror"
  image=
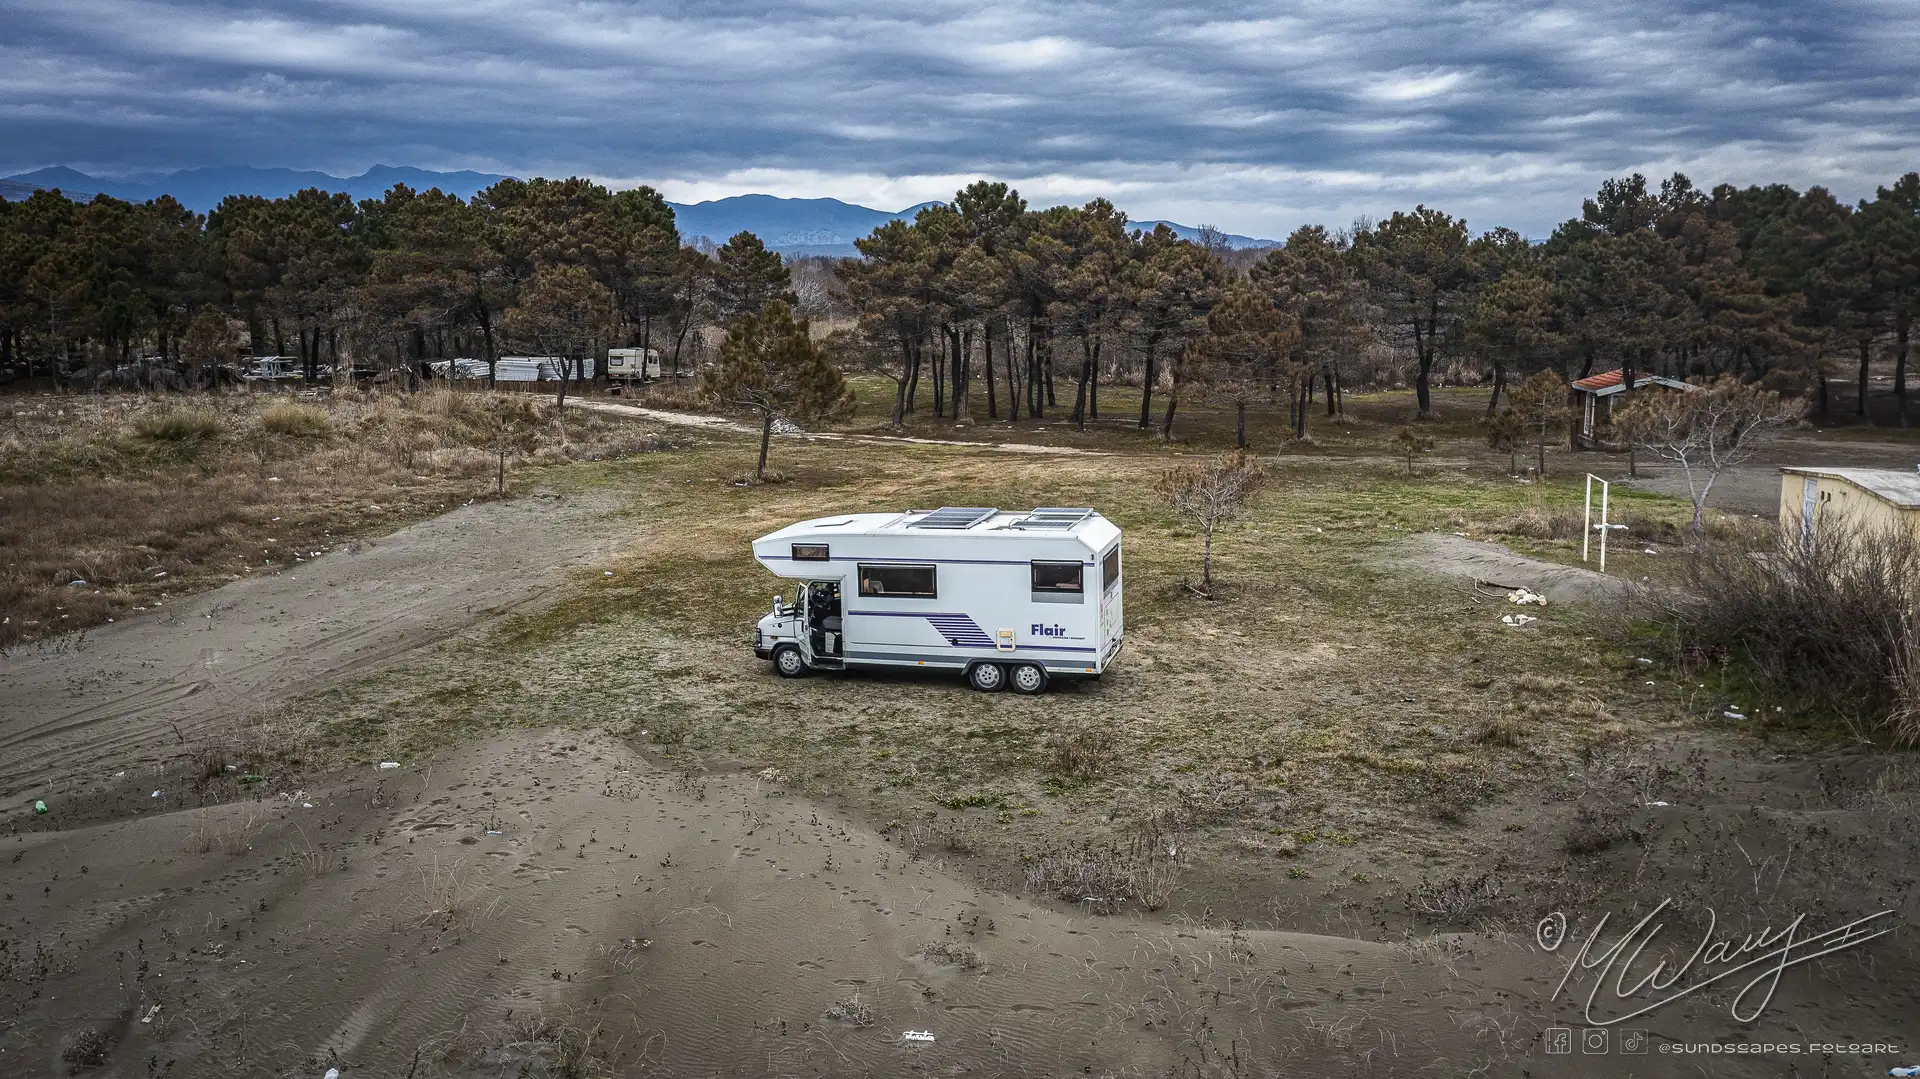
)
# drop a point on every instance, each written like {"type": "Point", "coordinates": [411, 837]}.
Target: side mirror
{"type": "Point", "coordinates": [776, 603]}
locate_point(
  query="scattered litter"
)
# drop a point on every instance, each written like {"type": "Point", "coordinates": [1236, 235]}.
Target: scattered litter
{"type": "Point", "coordinates": [306, 805]}
{"type": "Point", "coordinates": [159, 575]}
{"type": "Point", "coordinates": [1649, 681]}
{"type": "Point", "coordinates": [493, 831]}
{"type": "Point", "coordinates": [1652, 551]}
{"type": "Point", "coordinates": [1524, 596]}
{"type": "Point", "coordinates": [273, 479]}
{"type": "Point", "coordinates": [1517, 620]}
{"type": "Point", "coordinates": [607, 573]}
{"type": "Point", "coordinates": [1734, 715]}
{"type": "Point", "coordinates": [39, 806]}
{"type": "Point", "coordinates": [119, 774]}
{"type": "Point", "coordinates": [1905, 1073]}
{"type": "Point", "coordinates": [1643, 659]}
{"type": "Point", "coordinates": [155, 794]}
{"type": "Point", "coordinates": [916, 1035]}
{"type": "Point", "coordinates": [233, 768]}
{"type": "Point", "coordinates": [151, 1012]}
{"type": "Point", "coordinates": [77, 583]}
{"type": "Point", "coordinates": [1660, 805]}
{"type": "Point", "coordinates": [384, 765]}
{"type": "Point", "coordinates": [332, 1073]}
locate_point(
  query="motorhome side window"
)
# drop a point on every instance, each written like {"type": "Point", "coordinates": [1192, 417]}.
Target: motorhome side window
{"type": "Point", "coordinates": [1057, 582]}
{"type": "Point", "coordinates": [915, 582]}
{"type": "Point", "coordinates": [811, 552]}
{"type": "Point", "coordinates": [1110, 569]}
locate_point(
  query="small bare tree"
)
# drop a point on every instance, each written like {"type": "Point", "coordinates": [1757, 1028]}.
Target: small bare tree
{"type": "Point", "coordinates": [509, 426]}
{"type": "Point", "coordinates": [1410, 444]}
{"type": "Point", "coordinates": [1540, 406]}
{"type": "Point", "coordinates": [1707, 430]}
{"type": "Point", "coordinates": [1210, 495]}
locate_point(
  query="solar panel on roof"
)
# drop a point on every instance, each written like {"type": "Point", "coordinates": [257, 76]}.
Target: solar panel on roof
{"type": "Point", "coordinates": [1054, 518]}
{"type": "Point", "coordinates": [954, 517]}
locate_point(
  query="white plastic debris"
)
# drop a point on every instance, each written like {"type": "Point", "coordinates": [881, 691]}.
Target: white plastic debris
{"type": "Point", "coordinates": [306, 805]}
{"type": "Point", "coordinates": [384, 765]}
{"type": "Point", "coordinates": [916, 1035]}
{"type": "Point", "coordinates": [1524, 596]}
{"type": "Point", "coordinates": [493, 831]}
{"type": "Point", "coordinates": [1907, 1072]}
{"type": "Point", "coordinates": [607, 573]}
{"type": "Point", "coordinates": [1517, 620]}
{"type": "Point", "coordinates": [1658, 805]}
{"type": "Point", "coordinates": [156, 794]}
{"type": "Point", "coordinates": [1643, 659]}
{"type": "Point", "coordinates": [151, 1012]}
{"type": "Point", "coordinates": [332, 1073]}
{"type": "Point", "coordinates": [1734, 715]}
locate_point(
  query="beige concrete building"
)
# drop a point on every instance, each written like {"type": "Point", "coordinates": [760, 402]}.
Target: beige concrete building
{"type": "Point", "coordinates": [1864, 498]}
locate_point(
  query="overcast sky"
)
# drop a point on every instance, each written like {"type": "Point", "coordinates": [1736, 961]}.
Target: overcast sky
{"type": "Point", "coordinates": [1255, 117]}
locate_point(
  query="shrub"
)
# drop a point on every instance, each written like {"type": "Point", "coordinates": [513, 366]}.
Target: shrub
{"type": "Point", "coordinates": [1826, 621]}
{"type": "Point", "coordinates": [296, 420]}
{"type": "Point", "coordinates": [1081, 755]}
{"type": "Point", "coordinates": [177, 425]}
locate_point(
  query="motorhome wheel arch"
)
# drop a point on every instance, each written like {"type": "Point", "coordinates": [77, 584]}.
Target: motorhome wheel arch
{"type": "Point", "coordinates": [1009, 599]}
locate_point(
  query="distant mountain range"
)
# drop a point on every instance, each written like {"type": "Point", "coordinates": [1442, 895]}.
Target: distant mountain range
{"type": "Point", "coordinates": [794, 227]}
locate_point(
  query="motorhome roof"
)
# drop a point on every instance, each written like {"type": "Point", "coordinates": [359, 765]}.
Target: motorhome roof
{"type": "Point", "coordinates": [973, 521]}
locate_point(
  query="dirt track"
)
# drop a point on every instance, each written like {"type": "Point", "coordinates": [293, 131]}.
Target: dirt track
{"type": "Point", "coordinates": [125, 694]}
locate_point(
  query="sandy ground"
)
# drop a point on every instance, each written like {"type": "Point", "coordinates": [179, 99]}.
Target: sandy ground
{"type": "Point", "coordinates": [138, 689]}
{"type": "Point", "coordinates": [1499, 567]}
{"type": "Point", "coordinates": [470, 915]}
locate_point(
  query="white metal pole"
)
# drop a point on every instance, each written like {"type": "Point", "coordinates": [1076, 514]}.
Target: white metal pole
{"type": "Point", "coordinates": [1606, 489]}
{"type": "Point", "coordinates": [1586, 521]}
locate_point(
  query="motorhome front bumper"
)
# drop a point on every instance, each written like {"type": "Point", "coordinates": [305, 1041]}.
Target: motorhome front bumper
{"type": "Point", "coordinates": [761, 648]}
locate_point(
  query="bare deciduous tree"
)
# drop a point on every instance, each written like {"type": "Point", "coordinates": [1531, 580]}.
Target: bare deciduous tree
{"type": "Point", "coordinates": [1707, 430]}
{"type": "Point", "coordinates": [1210, 495]}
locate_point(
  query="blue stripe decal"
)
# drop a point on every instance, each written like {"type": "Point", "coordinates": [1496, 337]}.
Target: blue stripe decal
{"type": "Point", "coordinates": [960, 630]}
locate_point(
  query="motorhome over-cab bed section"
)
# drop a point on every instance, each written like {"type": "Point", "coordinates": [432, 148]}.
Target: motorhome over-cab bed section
{"type": "Point", "coordinates": [1010, 598]}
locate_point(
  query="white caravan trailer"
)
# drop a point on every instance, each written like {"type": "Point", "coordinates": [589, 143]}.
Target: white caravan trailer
{"type": "Point", "coordinates": [633, 364]}
{"type": "Point", "coordinates": [1007, 598]}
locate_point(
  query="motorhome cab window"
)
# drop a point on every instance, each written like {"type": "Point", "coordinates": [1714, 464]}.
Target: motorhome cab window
{"type": "Point", "coordinates": [811, 552]}
{"type": "Point", "coordinates": [1110, 570]}
{"type": "Point", "coordinates": [1056, 582]}
{"type": "Point", "coordinates": [901, 581]}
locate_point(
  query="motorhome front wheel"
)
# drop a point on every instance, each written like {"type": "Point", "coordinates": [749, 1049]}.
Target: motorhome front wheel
{"type": "Point", "coordinates": [1028, 678]}
{"type": "Point", "coordinates": [786, 660]}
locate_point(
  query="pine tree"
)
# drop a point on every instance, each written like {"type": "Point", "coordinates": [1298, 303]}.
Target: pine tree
{"type": "Point", "coordinates": [771, 367]}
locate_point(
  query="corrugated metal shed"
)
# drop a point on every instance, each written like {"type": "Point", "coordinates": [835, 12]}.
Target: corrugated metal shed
{"type": "Point", "coordinates": [1900, 488]}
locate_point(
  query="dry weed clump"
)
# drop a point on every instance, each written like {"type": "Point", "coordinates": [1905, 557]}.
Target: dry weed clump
{"type": "Point", "coordinates": [851, 1010]}
{"type": "Point", "coordinates": [1825, 620]}
{"type": "Point", "coordinates": [296, 420]}
{"type": "Point", "coordinates": [954, 953]}
{"type": "Point", "coordinates": [173, 424]}
{"type": "Point", "coordinates": [1081, 755]}
{"type": "Point", "coordinates": [1105, 877]}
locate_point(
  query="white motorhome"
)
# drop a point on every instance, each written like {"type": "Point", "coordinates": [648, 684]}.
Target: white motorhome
{"type": "Point", "coordinates": [633, 364]}
{"type": "Point", "coordinates": [1009, 598]}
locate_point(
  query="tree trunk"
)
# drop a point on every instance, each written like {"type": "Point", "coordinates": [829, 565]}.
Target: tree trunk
{"type": "Point", "coordinates": [1240, 425]}
{"type": "Point", "coordinates": [1206, 560]}
{"type": "Point", "coordinates": [560, 400]}
{"type": "Point", "coordinates": [486, 338]}
{"type": "Point", "coordinates": [940, 377]}
{"type": "Point", "coordinates": [766, 436]}
{"type": "Point", "coordinates": [1146, 385]}
{"type": "Point", "coordinates": [1499, 383]}
{"type": "Point", "coordinates": [1093, 383]}
{"type": "Point", "coordinates": [913, 375]}
{"type": "Point", "coordinates": [986, 365]}
{"type": "Point", "coordinates": [1866, 354]}
{"type": "Point", "coordinates": [962, 374]}
{"type": "Point", "coordinates": [1900, 331]}
{"type": "Point", "coordinates": [1080, 386]}
{"type": "Point", "coordinates": [1423, 347]}
{"type": "Point", "coordinates": [1166, 423]}
{"type": "Point", "coordinates": [500, 485]}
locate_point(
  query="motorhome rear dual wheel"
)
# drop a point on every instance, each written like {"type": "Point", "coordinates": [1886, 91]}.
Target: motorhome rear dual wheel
{"type": "Point", "coordinates": [1029, 679]}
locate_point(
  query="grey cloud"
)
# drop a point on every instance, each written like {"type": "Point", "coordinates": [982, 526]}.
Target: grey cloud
{"type": "Point", "coordinates": [1257, 116]}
